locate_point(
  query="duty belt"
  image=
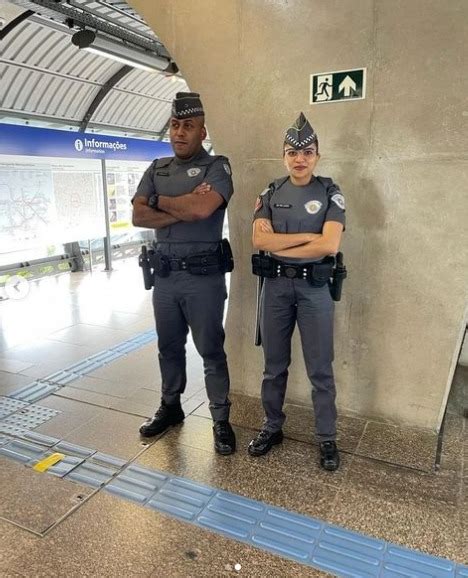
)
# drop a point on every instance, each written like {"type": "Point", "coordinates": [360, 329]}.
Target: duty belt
{"type": "Point", "coordinates": [201, 264]}
{"type": "Point", "coordinates": [154, 263]}
{"type": "Point", "coordinates": [317, 273]}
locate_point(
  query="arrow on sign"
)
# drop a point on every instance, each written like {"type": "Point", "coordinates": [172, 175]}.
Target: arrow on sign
{"type": "Point", "coordinates": [347, 86]}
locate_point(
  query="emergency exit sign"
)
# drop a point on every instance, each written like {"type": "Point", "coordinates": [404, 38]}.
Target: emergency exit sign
{"type": "Point", "coordinates": [340, 85]}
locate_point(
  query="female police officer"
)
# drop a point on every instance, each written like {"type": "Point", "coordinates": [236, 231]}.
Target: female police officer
{"type": "Point", "coordinates": [298, 221]}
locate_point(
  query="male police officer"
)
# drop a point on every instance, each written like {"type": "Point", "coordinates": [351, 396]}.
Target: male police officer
{"type": "Point", "coordinates": [299, 220]}
{"type": "Point", "coordinates": [184, 198]}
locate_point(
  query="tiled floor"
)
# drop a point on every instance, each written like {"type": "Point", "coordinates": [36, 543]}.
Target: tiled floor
{"type": "Point", "coordinates": [386, 488]}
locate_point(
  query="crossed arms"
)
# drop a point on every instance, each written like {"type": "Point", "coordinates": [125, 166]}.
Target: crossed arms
{"type": "Point", "coordinates": [299, 245]}
{"type": "Point", "coordinates": [194, 206]}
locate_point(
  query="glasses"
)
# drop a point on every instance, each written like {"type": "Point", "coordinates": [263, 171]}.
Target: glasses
{"type": "Point", "coordinates": [307, 153]}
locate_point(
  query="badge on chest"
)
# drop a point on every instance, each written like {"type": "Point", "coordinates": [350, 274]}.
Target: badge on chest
{"type": "Point", "coordinates": [193, 172]}
{"type": "Point", "coordinates": [313, 207]}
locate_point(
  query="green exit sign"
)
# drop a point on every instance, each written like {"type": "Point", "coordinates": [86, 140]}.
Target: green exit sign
{"type": "Point", "coordinates": [340, 85]}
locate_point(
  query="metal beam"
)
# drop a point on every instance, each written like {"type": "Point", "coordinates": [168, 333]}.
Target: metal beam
{"type": "Point", "coordinates": [61, 122]}
{"type": "Point", "coordinates": [101, 95]}
{"type": "Point", "coordinates": [78, 79]}
{"type": "Point", "coordinates": [51, 9]}
{"type": "Point", "coordinates": [164, 129]}
{"type": "Point", "coordinates": [15, 22]}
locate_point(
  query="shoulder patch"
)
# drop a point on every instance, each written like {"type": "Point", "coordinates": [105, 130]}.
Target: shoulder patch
{"type": "Point", "coordinates": [262, 197]}
{"type": "Point", "coordinates": [338, 199]}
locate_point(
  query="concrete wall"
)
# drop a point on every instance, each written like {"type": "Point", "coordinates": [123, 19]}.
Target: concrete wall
{"type": "Point", "coordinates": [400, 157]}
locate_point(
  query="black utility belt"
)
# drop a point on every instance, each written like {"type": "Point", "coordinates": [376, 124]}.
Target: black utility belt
{"type": "Point", "coordinates": [317, 274]}
{"type": "Point", "coordinates": [209, 263]}
{"type": "Point", "coordinates": [201, 264]}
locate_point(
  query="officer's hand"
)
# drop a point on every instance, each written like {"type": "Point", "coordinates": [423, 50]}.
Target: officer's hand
{"type": "Point", "coordinates": [265, 226]}
{"type": "Point", "coordinates": [202, 189]}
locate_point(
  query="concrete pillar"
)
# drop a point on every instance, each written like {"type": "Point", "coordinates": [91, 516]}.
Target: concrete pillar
{"type": "Point", "coordinates": [400, 157]}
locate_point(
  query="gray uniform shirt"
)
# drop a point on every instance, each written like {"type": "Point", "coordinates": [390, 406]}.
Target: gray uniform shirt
{"type": "Point", "coordinates": [173, 177]}
{"type": "Point", "coordinates": [301, 209]}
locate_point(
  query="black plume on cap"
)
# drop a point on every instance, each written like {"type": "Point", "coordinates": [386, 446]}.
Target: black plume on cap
{"type": "Point", "coordinates": [301, 134]}
{"type": "Point", "coordinates": [186, 105]}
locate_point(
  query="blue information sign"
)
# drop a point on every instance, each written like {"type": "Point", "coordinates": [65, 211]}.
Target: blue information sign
{"type": "Point", "coordinates": [44, 142]}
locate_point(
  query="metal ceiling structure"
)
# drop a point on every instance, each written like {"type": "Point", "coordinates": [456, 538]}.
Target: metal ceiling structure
{"type": "Point", "coordinates": [47, 81]}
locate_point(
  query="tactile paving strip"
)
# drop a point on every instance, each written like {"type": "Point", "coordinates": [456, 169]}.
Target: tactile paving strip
{"type": "Point", "coordinates": [9, 406]}
{"type": "Point", "coordinates": [80, 464]}
{"type": "Point", "coordinates": [294, 536]}
{"type": "Point", "coordinates": [26, 417]}
{"type": "Point", "coordinates": [300, 538]}
{"type": "Point", "coordinates": [43, 387]}
{"type": "Point", "coordinates": [305, 540]}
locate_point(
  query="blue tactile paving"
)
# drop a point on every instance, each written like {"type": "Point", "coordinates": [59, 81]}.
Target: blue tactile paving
{"type": "Point", "coordinates": [231, 520]}
{"type": "Point", "coordinates": [305, 540]}
{"type": "Point", "coordinates": [104, 356]}
{"type": "Point", "coordinates": [34, 391]}
{"type": "Point", "coordinates": [348, 553]}
{"type": "Point", "coordinates": [302, 539]}
{"type": "Point", "coordinates": [106, 460]}
{"type": "Point", "coordinates": [64, 447]}
{"type": "Point", "coordinates": [84, 367]}
{"type": "Point", "coordinates": [91, 474]}
{"type": "Point", "coordinates": [30, 417]}
{"type": "Point", "coordinates": [181, 498]}
{"type": "Point", "coordinates": [21, 451]}
{"type": "Point", "coordinates": [127, 347]}
{"type": "Point", "coordinates": [26, 417]}
{"type": "Point", "coordinates": [405, 562]}
{"type": "Point", "coordinates": [10, 429]}
{"type": "Point", "coordinates": [136, 483]}
{"type": "Point", "coordinates": [56, 377]}
{"type": "Point", "coordinates": [9, 406]}
{"type": "Point", "coordinates": [4, 440]}
{"type": "Point", "coordinates": [285, 535]}
{"type": "Point", "coordinates": [40, 439]}
{"type": "Point", "coordinates": [65, 466]}
{"type": "Point", "coordinates": [43, 387]}
{"type": "Point", "coordinates": [132, 489]}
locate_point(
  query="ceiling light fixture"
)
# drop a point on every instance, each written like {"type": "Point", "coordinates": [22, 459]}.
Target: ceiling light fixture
{"type": "Point", "coordinates": [91, 42]}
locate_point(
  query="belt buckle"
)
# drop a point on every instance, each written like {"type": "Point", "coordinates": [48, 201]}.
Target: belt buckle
{"type": "Point", "coordinates": [174, 264]}
{"type": "Point", "coordinates": [290, 272]}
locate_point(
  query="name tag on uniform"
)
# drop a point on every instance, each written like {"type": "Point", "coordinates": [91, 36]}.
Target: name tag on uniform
{"type": "Point", "coordinates": [282, 206]}
{"type": "Point", "coordinates": [162, 173]}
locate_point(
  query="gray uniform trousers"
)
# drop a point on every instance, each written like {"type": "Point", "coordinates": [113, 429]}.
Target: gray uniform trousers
{"type": "Point", "coordinates": [181, 301]}
{"type": "Point", "coordinates": [285, 301]}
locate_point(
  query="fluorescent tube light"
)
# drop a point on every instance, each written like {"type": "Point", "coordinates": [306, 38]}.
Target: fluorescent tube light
{"type": "Point", "coordinates": [90, 41]}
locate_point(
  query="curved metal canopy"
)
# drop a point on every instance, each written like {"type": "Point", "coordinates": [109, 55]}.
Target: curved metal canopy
{"type": "Point", "coordinates": [46, 80]}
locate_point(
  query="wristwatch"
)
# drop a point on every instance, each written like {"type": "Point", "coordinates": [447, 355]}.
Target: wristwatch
{"type": "Point", "coordinates": [153, 201]}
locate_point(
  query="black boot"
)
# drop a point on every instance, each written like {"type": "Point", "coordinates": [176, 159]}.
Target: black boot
{"type": "Point", "coordinates": [264, 441]}
{"type": "Point", "coordinates": [329, 456]}
{"type": "Point", "coordinates": [224, 438]}
{"type": "Point", "coordinates": [166, 416]}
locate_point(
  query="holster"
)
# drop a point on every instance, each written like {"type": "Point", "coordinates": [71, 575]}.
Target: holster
{"type": "Point", "coordinates": [339, 275]}
{"type": "Point", "coordinates": [227, 258]}
{"type": "Point", "coordinates": [144, 261]}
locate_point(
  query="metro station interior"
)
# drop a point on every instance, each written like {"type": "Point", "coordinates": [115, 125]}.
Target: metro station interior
{"type": "Point", "coordinates": [86, 102]}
